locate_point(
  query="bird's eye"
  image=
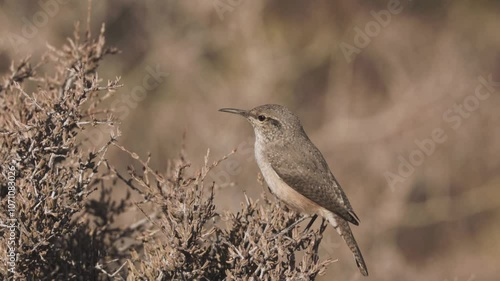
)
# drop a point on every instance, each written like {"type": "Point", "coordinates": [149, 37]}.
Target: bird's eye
{"type": "Point", "coordinates": [261, 118]}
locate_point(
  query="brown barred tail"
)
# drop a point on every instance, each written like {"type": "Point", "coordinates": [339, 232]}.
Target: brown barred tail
{"type": "Point", "coordinates": [342, 227]}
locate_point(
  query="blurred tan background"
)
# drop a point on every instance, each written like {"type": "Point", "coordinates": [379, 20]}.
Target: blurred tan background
{"type": "Point", "coordinates": [399, 96]}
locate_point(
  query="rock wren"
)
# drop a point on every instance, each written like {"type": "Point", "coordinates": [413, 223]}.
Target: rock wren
{"type": "Point", "coordinates": [296, 172]}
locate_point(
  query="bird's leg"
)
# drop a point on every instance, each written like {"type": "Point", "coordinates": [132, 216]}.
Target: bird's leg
{"type": "Point", "coordinates": [310, 223]}
{"type": "Point", "coordinates": [291, 226]}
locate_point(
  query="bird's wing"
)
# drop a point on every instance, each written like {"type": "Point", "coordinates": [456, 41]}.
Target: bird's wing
{"type": "Point", "coordinates": [306, 171]}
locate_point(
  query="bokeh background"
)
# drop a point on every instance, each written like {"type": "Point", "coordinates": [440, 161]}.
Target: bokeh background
{"type": "Point", "coordinates": [390, 92]}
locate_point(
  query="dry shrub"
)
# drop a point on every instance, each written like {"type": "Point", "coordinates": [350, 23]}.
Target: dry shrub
{"type": "Point", "coordinates": [186, 240]}
{"type": "Point", "coordinates": [64, 234]}
{"type": "Point", "coordinates": [41, 140]}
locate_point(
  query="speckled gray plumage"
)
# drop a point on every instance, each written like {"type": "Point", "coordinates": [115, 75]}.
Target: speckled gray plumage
{"type": "Point", "coordinates": [296, 171]}
{"type": "Point", "coordinates": [300, 164]}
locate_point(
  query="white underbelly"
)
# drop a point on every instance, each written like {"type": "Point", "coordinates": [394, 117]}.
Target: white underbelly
{"type": "Point", "coordinates": [280, 189]}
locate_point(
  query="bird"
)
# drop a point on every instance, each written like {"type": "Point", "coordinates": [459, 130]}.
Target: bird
{"type": "Point", "coordinates": [296, 172]}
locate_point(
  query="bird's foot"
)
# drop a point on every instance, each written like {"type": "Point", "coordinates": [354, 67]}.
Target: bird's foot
{"type": "Point", "coordinates": [294, 225]}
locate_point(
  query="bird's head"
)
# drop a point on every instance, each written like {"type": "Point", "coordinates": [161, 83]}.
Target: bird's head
{"type": "Point", "coordinates": [270, 122]}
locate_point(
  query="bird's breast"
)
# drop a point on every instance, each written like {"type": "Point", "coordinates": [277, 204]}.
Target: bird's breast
{"type": "Point", "coordinates": [279, 188]}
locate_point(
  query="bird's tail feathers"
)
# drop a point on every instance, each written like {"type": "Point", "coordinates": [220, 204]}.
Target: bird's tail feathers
{"type": "Point", "coordinates": [343, 229]}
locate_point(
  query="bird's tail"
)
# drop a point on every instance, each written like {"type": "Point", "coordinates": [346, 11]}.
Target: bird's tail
{"type": "Point", "coordinates": [342, 227]}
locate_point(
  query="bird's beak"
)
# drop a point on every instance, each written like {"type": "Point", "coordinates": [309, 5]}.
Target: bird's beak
{"type": "Point", "coordinates": [241, 112]}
